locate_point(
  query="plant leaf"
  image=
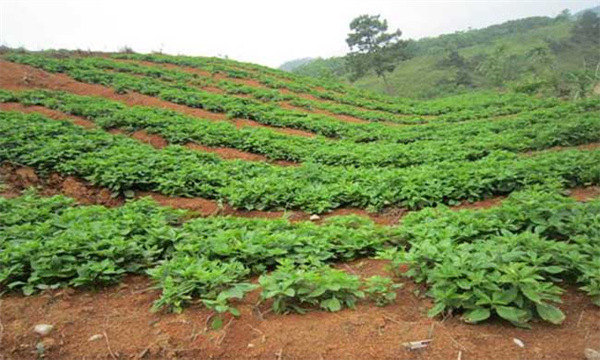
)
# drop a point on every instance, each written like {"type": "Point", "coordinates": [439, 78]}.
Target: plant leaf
{"type": "Point", "coordinates": [477, 315]}
{"type": "Point", "coordinates": [550, 313]}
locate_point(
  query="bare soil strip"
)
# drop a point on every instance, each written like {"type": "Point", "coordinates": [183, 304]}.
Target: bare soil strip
{"type": "Point", "coordinates": [52, 114]}
{"type": "Point", "coordinates": [121, 317]}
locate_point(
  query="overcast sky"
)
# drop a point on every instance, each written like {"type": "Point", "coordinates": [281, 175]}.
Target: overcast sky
{"type": "Point", "coordinates": [264, 32]}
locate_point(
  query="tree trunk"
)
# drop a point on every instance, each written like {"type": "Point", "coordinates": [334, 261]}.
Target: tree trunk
{"type": "Point", "coordinates": [388, 89]}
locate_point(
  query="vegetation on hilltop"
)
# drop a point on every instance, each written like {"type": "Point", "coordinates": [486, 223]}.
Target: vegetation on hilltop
{"type": "Point", "coordinates": [537, 55]}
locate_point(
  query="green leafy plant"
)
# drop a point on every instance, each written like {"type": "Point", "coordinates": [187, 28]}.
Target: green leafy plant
{"type": "Point", "coordinates": [292, 287]}
{"type": "Point", "coordinates": [504, 261]}
{"type": "Point", "coordinates": [221, 304]}
{"type": "Point", "coordinates": [381, 290]}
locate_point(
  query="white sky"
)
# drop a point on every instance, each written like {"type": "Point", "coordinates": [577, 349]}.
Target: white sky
{"type": "Point", "coordinates": [267, 32]}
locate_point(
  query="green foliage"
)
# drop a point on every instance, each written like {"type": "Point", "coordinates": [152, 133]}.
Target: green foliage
{"type": "Point", "coordinates": [123, 164]}
{"type": "Point", "coordinates": [531, 131]}
{"type": "Point", "coordinates": [47, 243]}
{"type": "Point", "coordinates": [214, 253]}
{"type": "Point", "coordinates": [586, 29]}
{"type": "Point", "coordinates": [376, 49]}
{"type": "Point", "coordinates": [506, 260]}
{"type": "Point", "coordinates": [502, 262]}
{"type": "Point", "coordinates": [292, 287]}
{"type": "Point", "coordinates": [185, 277]}
{"type": "Point", "coordinates": [221, 303]}
{"type": "Point", "coordinates": [381, 290]}
{"type": "Point", "coordinates": [428, 73]}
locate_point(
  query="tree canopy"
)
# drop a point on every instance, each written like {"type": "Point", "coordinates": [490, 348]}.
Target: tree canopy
{"type": "Point", "coordinates": [372, 47]}
{"type": "Point", "coordinates": [587, 28]}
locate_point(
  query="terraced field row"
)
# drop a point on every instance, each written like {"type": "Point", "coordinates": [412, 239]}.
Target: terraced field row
{"type": "Point", "coordinates": [50, 242]}
{"type": "Point", "coordinates": [123, 165]}
{"type": "Point", "coordinates": [235, 107]}
{"type": "Point", "coordinates": [472, 106]}
{"type": "Point", "coordinates": [527, 133]}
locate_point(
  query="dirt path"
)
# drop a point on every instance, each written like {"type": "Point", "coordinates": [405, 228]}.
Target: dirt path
{"type": "Point", "coordinates": [120, 320]}
{"type": "Point", "coordinates": [23, 77]}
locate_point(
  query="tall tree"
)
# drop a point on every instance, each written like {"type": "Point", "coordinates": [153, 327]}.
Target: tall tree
{"type": "Point", "coordinates": [373, 48]}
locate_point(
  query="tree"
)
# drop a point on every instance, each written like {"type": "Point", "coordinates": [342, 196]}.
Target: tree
{"type": "Point", "coordinates": [498, 67]}
{"type": "Point", "coordinates": [564, 15]}
{"type": "Point", "coordinates": [587, 28]}
{"type": "Point", "coordinates": [452, 59]}
{"type": "Point", "coordinates": [373, 48]}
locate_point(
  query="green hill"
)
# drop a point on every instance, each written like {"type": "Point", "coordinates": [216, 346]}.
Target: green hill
{"type": "Point", "coordinates": [294, 64]}
{"type": "Point", "coordinates": [533, 55]}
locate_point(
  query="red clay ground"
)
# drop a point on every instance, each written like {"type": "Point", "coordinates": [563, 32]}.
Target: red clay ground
{"type": "Point", "coordinates": [125, 328]}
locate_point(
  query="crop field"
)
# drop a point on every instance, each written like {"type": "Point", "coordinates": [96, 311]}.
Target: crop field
{"type": "Point", "coordinates": [156, 206]}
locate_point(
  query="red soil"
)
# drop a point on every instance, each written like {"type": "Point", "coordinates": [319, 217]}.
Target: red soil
{"type": "Point", "coordinates": [213, 89]}
{"type": "Point", "coordinates": [590, 146]}
{"type": "Point", "coordinates": [301, 95]}
{"type": "Point", "coordinates": [202, 73]}
{"type": "Point", "coordinates": [126, 328]}
{"type": "Point", "coordinates": [247, 82]}
{"type": "Point", "coordinates": [20, 178]}
{"type": "Point", "coordinates": [244, 122]}
{"type": "Point", "coordinates": [202, 207]}
{"type": "Point", "coordinates": [585, 193]}
{"type": "Point", "coordinates": [154, 140]}
{"type": "Point", "coordinates": [228, 153]}
{"type": "Point", "coordinates": [22, 77]}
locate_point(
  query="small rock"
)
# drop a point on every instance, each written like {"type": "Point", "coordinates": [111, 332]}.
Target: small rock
{"type": "Point", "coordinates": [519, 343]}
{"type": "Point", "coordinates": [314, 217]}
{"type": "Point", "coordinates": [591, 354]}
{"type": "Point", "coordinates": [43, 329]}
{"type": "Point", "coordinates": [251, 345]}
{"type": "Point", "coordinates": [95, 337]}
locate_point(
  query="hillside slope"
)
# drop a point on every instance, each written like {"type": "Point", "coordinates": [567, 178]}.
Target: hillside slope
{"type": "Point", "coordinates": [283, 216]}
{"type": "Point", "coordinates": [533, 54]}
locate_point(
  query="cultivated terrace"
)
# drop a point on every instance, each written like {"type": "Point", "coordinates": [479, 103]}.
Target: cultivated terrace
{"type": "Point", "coordinates": [357, 221]}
